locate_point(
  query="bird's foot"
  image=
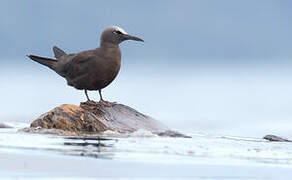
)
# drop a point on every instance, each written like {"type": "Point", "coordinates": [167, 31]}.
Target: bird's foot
{"type": "Point", "coordinates": [90, 102]}
{"type": "Point", "coordinates": [101, 102]}
{"type": "Point", "coordinates": [107, 103]}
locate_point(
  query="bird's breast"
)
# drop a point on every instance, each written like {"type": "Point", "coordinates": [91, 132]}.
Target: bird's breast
{"type": "Point", "coordinates": [106, 69]}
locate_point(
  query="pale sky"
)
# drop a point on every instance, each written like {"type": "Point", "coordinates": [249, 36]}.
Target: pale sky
{"type": "Point", "coordinates": [203, 29]}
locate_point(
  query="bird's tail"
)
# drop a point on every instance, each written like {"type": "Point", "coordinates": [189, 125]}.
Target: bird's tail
{"type": "Point", "coordinates": [51, 63]}
{"type": "Point", "coordinates": [58, 52]}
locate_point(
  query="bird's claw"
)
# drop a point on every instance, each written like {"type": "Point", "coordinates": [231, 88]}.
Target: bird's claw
{"type": "Point", "coordinates": [107, 103]}
{"type": "Point", "coordinates": [90, 102]}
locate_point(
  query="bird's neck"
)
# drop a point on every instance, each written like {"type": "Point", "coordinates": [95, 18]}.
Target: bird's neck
{"type": "Point", "coordinates": [109, 45]}
{"type": "Point", "coordinates": [111, 51]}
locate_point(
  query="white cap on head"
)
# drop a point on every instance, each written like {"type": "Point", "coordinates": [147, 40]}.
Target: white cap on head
{"type": "Point", "coordinates": [119, 29]}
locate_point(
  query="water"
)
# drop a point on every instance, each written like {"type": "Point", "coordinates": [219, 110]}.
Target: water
{"type": "Point", "coordinates": [34, 156]}
{"type": "Point", "coordinates": [226, 110]}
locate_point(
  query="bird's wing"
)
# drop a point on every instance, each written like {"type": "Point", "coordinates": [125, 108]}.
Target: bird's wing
{"type": "Point", "coordinates": [79, 65]}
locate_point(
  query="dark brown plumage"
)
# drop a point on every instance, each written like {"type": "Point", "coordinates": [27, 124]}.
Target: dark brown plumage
{"type": "Point", "coordinates": [93, 69]}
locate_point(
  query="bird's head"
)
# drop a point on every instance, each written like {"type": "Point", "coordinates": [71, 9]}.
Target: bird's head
{"type": "Point", "coordinates": [116, 35]}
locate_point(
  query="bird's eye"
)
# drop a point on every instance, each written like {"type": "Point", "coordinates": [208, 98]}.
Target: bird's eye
{"type": "Point", "coordinates": [117, 32]}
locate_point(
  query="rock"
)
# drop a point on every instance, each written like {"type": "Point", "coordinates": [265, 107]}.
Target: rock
{"type": "Point", "coordinates": [40, 130]}
{"type": "Point", "coordinates": [170, 133]}
{"type": "Point", "coordinates": [92, 117]}
{"type": "Point", "coordinates": [3, 125]}
{"type": "Point", "coordinates": [276, 138]}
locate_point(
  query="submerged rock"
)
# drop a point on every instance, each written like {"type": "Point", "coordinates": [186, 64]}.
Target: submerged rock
{"type": "Point", "coordinates": [276, 138]}
{"type": "Point", "coordinates": [3, 125]}
{"type": "Point", "coordinates": [170, 133]}
{"type": "Point", "coordinates": [92, 117]}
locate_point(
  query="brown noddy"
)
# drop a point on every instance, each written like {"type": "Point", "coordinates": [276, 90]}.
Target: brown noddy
{"type": "Point", "coordinates": [93, 69]}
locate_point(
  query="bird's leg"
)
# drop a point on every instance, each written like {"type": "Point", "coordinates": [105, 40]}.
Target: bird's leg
{"type": "Point", "coordinates": [85, 90]}
{"type": "Point", "coordinates": [101, 100]}
{"type": "Point", "coordinates": [107, 103]}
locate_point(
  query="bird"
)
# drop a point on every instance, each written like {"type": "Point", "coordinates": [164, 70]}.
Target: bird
{"type": "Point", "coordinates": [90, 70]}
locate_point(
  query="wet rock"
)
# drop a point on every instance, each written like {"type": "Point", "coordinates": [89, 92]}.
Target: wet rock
{"type": "Point", "coordinates": [92, 117]}
{"type": "Point", "coordinates": [276, 138]}
{"type": "Point", "coordinates": [3, 125]}
{"type": "Point", "coordinates": [170, 133]}
{"type": "Point", "coordinates": [40, 130]}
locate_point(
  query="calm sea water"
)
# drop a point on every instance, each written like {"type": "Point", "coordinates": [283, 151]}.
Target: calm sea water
{"type": "Point", "coordinates": [142, 155]}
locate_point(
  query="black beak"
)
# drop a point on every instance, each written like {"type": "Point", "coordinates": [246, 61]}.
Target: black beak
{"type": "Point", "coordinates": [129, 37]}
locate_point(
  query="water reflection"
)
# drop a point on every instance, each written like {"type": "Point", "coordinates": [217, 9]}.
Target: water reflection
{"type": "Point", "coordinates": [95, 147]}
